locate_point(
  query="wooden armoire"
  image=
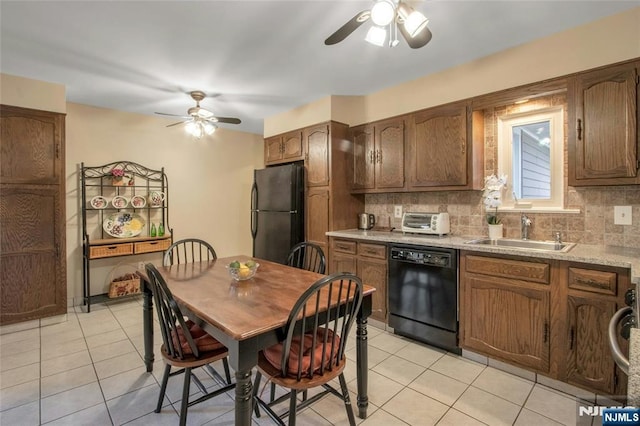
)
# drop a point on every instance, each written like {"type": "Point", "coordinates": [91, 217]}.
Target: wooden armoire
{"type": "Point", "coordinates": [33, 281]}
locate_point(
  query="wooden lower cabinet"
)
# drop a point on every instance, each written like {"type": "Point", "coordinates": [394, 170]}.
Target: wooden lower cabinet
{"type": "Point", "coordinates": [373, 272]}
{"type": "Point", "coordinates": [589, 363]}
{"type": "Point", "coordinates": [369, 262]}
{"type": "Point", "coordinates": [547, 316]}
{"type": "Point", "coordinates": [508, 320]}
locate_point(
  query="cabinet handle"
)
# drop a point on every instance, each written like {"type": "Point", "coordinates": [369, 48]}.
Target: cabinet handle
{"type": "Point", "coordinates": [281, 147]}
{"type": "Point", "coordinates": [579, 129]}
{"type": "Point", "coordinates": [371, 160]}
{"type": "Point", "coordinates": [571, 338]}
{"type": "Point", "coordinates": [464, 147]}
{"type": "Point", "coordinates": [379, 156]}
{"type": "Point", "coordinates": [546, 332]}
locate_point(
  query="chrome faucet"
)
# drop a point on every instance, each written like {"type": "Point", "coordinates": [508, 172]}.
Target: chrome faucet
{"type": "Point", "coordinates": [525, 223]}
{"type": "Point", "coordinates": [558, 240]}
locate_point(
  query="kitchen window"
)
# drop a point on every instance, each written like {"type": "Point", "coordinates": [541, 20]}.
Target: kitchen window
{"type": "Point", "coordinates": [531, 154]}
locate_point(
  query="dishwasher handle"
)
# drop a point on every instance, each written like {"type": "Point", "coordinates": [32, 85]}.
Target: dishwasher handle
{"type": "Point", "coordinates": [618, 356]}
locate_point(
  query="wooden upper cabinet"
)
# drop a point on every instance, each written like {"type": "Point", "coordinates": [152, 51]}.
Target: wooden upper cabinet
{"type": "Point", "coordinates": [603, 127]}
{"type": "Point", "coordinates": [273, 149]}
{"type": "Point", "coordinates": [317, 140]}
{"type": "Point", "coordinates": [445, 148]}
{"type": "Point", "coordinates": [363, 157]}
{"type": "Point", "coordinates": [389, 155]}
{"type": "Point", "coordinates": [283, 148]}
{"type": "Point", "coordinates": [32, 148]}
{"type": "Point", "coordinates": [378, 156]}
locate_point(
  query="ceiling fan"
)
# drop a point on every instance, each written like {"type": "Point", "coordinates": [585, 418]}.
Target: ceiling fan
{"type": "Point", "coordinates": [200, 121]}
{"type": "Point", "coordinates": [395, 15]}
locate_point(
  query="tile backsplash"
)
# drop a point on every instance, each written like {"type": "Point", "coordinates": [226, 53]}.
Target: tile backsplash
{"type": "Point", "coordinates": [592, 225]}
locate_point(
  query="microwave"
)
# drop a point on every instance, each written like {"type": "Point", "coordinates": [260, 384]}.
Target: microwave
{"type": "Point", "coordinates": [426, 223]}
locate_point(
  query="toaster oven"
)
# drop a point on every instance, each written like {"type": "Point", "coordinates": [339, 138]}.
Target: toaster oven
{"type": "Point", "coordinates": [426, 223]}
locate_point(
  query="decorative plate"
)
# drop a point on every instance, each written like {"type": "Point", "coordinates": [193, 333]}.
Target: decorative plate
{"type": "Point", "coordinates": [138, 201]}
{"type": "Point", "coordinates": [123, 224]}
{"type": "Point", "coordinates": [120, 202]}
{"type": "Point", "coordinates": [99, 202]}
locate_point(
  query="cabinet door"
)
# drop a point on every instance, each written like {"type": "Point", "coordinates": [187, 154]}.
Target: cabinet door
{"type": "Point", "coordinates": [507, 320]}
{"type": "Point", "coordinates": [32, 259]}
{"type": "Point", "coordinates": [317, 217]}
{"type": "Point", "coordinates": [363, 158]}
{"type": "Point", "coordinates": [603, 132]}
{"type": "Point", "coordinates": [292, 146]}
{"type": "Point", "coordinates": [341, 262]}
{"type": "Point", "coordinates": [31, 146]}
{"type": "Point", "coordinates": [439, 147]}
{"type": "Point", "coordinates": [374, 273]}
{"type": "Point", "coordinates": [272, 149]}
{"type": "Point", "coordinates": [389, 155]}
{"type": "Point", "coordinates": [589, 360]}
{"type": "Point", "coordinates": [317, 142]}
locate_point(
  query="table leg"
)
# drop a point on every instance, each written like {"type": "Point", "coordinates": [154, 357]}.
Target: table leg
{"type": "Point", "coordinates": [147, 325]}
{"type": "Point", "coordinates": [244, 398]}
{"type": "Point", "coordinates": [362, 365]}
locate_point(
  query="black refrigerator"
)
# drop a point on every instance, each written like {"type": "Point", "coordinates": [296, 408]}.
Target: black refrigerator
{"type": "Point", "coordinates": [277, 211]}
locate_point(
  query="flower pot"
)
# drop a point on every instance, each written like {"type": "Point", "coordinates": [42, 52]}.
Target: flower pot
{"type": "Point", "coordinates": [495, 231]}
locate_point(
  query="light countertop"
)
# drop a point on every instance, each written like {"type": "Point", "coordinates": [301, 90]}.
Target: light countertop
{"type": "Point", "coordinates": [599, 255]}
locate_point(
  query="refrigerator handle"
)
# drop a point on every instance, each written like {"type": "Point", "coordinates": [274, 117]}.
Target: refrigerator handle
{"type": "Point", "coordinates": [254, 212]}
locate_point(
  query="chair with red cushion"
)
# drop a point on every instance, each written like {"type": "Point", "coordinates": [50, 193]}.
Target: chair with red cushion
{"type": "Point", "coordinates": [185, 346]}
{"type": "Point", "coordinates": [313, 350]}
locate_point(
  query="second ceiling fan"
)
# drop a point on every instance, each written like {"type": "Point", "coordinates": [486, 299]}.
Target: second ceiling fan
{"type": "Point", "coordinates": [395, 15]}
{"type": "Point", "coordinates": [200, 121]}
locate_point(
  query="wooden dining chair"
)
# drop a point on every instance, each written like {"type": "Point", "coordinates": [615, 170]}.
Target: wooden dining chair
{"type": "Point", "coordinates": [307, 256]}
{"type": "Point", "coordinates": [185, 346]}
{"type": "Point", "coordinates": [189, 250]}
{"type": "Point", "coordinates": [313, 351]}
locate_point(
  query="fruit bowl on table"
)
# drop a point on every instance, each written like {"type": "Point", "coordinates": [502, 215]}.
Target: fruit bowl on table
{"type": "Point", "coordinates": [241, 271]}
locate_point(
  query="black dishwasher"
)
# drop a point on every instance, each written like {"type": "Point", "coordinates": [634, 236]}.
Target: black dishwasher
{"type": "Point", "coordinates": [423, 294]}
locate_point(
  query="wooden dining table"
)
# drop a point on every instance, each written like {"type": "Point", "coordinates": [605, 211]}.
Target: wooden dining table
{"type": "Point", "coordinates": [246, 316]}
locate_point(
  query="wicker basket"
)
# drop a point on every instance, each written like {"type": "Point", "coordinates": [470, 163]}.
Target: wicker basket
{"type": "Point", "coordinates": [123, 283]}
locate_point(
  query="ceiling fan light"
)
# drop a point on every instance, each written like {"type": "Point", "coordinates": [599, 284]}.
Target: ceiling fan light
{"type": "Point", "coordinates": [414, 22]}
{"type": "Point", "coordinates": [190, 126]}
{"type": "Point", "coordinates": [198, 131]}
{"type": "Point", "coordinates": [209, 128]}
{"type": "Point", "coordinates": [376, 35]}
{"type": "Point", "coordinates": [383, 12]}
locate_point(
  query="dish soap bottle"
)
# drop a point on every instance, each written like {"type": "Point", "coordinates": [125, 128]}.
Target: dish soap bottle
{"type": "Point", "coordinates": [160, 229]}
{"type": "Point", "coordinates": [152, 233]}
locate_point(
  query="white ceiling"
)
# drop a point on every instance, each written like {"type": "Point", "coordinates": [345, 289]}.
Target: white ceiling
{"type": "Point", "coordinates": [254, 58]}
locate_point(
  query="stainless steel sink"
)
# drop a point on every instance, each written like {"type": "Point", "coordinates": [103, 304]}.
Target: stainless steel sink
{"type": "Point", "coordinates": [525, 244]}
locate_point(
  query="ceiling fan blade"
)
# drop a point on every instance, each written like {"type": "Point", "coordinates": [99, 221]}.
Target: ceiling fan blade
{"type": "Point", "coordinates": [170, 115]}
{"type": "Point", "coordinates": [419, 40]}
{"type": "Point", "coordinates": [351, 25]}
{"type": "Point", "coordinates": [175, 124]}
{"type": "Point", "coordinates": [229, 120]}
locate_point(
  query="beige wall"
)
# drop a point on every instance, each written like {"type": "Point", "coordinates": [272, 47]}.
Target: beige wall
{"type": "Point", "coordinates": [209, 180]}
{"type": "Point", "coordinates": [602, 42]}
{"type": "Point", "coordinates": [27, 93]}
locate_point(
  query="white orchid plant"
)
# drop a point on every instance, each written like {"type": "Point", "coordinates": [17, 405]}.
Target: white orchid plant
{"type": "Point", "coordinates": [492, 195]}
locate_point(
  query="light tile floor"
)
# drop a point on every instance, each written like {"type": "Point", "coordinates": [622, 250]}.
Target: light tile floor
{"type": "Point", "coordinates": [88, 370]}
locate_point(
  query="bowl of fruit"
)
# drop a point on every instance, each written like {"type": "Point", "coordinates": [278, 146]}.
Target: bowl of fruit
{"type": "Point", "coordinates": [241, 271]}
